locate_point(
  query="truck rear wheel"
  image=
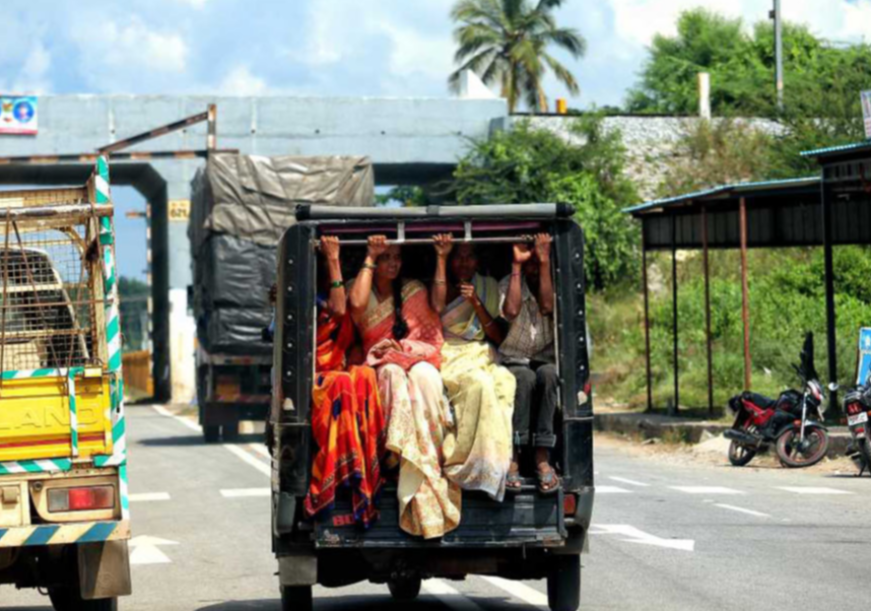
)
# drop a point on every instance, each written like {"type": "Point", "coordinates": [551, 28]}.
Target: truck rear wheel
{"type": "Point", "coordinates": [564, 584]}
{"type": "Point", "coordinates": [404, 589]}
{"type": "Point", "coordinates": [211, 433]}
{"type": "Point", "coordinates": [296, 598]}
{"type": "Point", "coordinates": [69, 599]}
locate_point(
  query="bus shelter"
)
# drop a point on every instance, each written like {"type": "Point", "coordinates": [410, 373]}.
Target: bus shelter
{"type": "Point", "coordinates": [827, 210]}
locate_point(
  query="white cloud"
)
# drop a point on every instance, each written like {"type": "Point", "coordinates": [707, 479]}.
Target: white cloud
{"type": "Point", "coordinates": [241, 81]}
{"type": "Point", "coordinates": [416, 37]}
{"type": "Point", "coordinates": [131, 46]}
{"type": "Point", "coordinates": [197, 4]}
{"type": "Point", "coordinates": [32, 75]}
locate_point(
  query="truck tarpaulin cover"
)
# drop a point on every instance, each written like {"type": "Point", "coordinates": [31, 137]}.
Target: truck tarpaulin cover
{"type": "Point", "coordinates": [240, 207]}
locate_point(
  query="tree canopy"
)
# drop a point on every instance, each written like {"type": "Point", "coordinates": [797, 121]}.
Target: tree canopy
{"type": "Point", "coordinates": [741, 64]}
{"type": "Point", "coordinates": [528, 165]}
{"type": "Point", "coordinates": [506, 42]}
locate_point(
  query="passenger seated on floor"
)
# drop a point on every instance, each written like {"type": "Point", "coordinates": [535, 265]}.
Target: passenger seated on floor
{"type": "Point", "coordinates": [527, 302]}
{"type": "Point", "coordinates": [402, 339]}
{"type": "Point", "coordinates": [478, 456]}
{"type": "Point", "coordinates": [347, 419]}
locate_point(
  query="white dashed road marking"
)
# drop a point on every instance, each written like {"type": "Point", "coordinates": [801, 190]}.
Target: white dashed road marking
{"type": "Point", "coordinates": [706, 490]}
{"type": "Point", "coordinates": [611, 490]}
{"type": "Point", "coordinates": [631, 482]}
{"type": "Point", "coordinates": [245, 492]}
{"type": "Point", "coordinates": [749, 512]}
{"type": "Point", "coordinates": [449, 596]}
{"type": "Point", "coordinates": [813, 490]}
{"type": "Point", "coordinates": [233, 449]}
{"type": "Point", "coordinates": [635, 535]}
{"type": "Point", "coordinates": [148, 497]}
{"type": "Point", "coordinates": [519, 590]}
{"type": "Point", "coordinates": [250, 459]}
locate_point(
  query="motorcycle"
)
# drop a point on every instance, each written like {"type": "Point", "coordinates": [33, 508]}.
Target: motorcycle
{"type": "Point", "coordinates": [857, 406]}
{"type": "Point", "coordinates": [792, 423]}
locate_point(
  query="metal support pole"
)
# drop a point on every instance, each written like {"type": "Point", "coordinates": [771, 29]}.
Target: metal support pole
{"type": "Point", "coordinates": [777, 16]}
{"type": "Point", "coordinates": [212, 138]}
{"type": "Point", "coordinates": [676, 408]}
{"type": "Point", "coordinates": [831, 334]}
{"type": "Point", "coordinates": [707, 271]}
{"type": "Point", "coordinates": [646, 291]}
{"type": "Point", "coordinates": [745, 294]}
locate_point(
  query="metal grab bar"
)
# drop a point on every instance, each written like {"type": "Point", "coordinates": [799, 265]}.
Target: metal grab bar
{"type": "Point", "coordinates": [526, 239]}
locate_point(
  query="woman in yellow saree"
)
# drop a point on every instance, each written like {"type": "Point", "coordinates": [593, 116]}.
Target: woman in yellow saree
{"type": "Point", "coordinates": [402, 339]}
{"type": "Point", "coordinates": [482, 393]}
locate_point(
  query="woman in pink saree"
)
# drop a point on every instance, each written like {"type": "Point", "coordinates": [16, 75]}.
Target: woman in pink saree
{"type": "Point", "coordinates": [402, 339]}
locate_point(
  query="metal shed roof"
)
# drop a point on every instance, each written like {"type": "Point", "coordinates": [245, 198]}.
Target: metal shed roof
{"type": "Point", "coordinates": [727, 192]}
{"type": "Point", "coordinates": [857, 147]}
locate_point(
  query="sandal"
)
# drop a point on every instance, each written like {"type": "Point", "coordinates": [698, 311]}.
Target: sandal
{"type": "Point", "coordinates": [548, 481]}
{"type": "Point", "coordinates": [513, 482]}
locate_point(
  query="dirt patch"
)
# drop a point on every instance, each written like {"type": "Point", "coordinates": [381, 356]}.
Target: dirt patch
{"type": "Point", "coordinates": [709, 453]}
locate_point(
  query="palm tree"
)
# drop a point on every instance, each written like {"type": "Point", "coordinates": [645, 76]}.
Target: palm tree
{"type": "Point", "coordinates": [506, 41]}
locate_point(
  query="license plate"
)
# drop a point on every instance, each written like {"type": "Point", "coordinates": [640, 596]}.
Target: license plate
{"type": "Point", "coordinates": [857, 418]}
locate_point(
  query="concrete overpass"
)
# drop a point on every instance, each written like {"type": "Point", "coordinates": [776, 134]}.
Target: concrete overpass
{"type": "Point", "coordinates": [410, 140]}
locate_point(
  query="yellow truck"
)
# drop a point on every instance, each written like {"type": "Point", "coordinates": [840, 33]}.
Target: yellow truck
{"type": "Point", "coordinates": [64, 510]}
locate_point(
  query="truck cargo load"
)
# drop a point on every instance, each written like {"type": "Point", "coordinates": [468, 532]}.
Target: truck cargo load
{"type": "Point", "coordinates": [241, 205]}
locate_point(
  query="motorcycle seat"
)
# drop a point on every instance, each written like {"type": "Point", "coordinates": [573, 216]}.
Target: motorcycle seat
{"type": "Point", "coordinates": [787, 401]}
{"type": "Point", "coordinates": [759, 400]}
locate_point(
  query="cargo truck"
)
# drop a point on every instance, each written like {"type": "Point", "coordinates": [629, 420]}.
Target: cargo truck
{"type": "Point", "coordinates": [240, 207]}
{"type": "Point", "coordinates": [64, 519]}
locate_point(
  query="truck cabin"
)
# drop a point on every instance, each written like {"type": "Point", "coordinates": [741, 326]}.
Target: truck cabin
{"type": "Point", "coordinates": [493, 230]}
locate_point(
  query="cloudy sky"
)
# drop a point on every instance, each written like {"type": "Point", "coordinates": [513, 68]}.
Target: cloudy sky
{"type": "Point", "coordinates": [327, 47]}
{"type": "Point", "coordinates": [322, 47]}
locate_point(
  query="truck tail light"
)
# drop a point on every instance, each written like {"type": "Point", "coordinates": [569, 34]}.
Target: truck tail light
{"type": "Point", "coordinates": [81, 499]}
{"type": "Point", "coordinates": [570, 504]}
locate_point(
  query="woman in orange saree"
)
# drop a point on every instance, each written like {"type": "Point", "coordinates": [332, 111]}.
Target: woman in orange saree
{"type": "Point", "coordinates": [347, 420]}
{"type": "Point", "coordinates": [402, 339]}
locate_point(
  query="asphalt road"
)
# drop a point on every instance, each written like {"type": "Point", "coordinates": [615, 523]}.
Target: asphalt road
{"type": "Point", "coordinates": [666, 536]}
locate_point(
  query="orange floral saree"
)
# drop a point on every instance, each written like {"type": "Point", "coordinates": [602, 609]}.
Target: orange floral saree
{"type": "Point", "coordinates": [347, 425]}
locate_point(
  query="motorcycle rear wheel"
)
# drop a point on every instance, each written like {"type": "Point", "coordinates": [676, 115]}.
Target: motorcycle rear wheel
{"type": "Point", "coordinates": [794, 457]}
{"type": "Point", "coordinates": [865, 451]}
{"type": "Point", "coordinates": [740, 455]}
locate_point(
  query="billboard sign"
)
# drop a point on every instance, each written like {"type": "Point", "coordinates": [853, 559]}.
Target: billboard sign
{"type": "Point", "coordinates": [18, 114]}
{"type": "Point", "coordinates": [866, 112]}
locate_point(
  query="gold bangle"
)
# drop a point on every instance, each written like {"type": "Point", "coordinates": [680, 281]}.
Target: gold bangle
{"type": "Point", "coordinates": [371, 266]}
{"type": "Point", "coordinates": [437, 281]}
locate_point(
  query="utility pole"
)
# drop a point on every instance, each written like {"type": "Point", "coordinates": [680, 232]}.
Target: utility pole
{"type": "Point", "coordinates": [777, 16]}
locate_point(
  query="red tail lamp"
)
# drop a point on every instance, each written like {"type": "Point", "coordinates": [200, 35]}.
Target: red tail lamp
{"type": "Point", "coordinates": [570, 504]}
{"type": "Point", "coordinates": [81, 499]}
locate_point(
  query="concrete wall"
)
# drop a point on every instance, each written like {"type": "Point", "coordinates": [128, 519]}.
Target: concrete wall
{"type": "Point", "coordinates": [409, 141]}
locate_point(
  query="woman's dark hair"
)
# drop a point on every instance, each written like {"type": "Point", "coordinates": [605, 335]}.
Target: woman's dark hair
{"type": "Point", "coordinates": [400, 327]}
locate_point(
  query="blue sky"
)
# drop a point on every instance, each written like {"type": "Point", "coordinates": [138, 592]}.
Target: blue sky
{"type": "Point", "coordinates": [324, 47]}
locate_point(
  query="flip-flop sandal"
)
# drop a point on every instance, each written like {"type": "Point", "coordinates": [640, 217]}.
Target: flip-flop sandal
{"type": "Point", "coordinates": [513, 482]}
{"type": "Point", "coordinates": [548, 481]}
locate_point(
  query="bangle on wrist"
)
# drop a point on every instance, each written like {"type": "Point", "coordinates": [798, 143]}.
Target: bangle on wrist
{"type": "Point", "coordinates": [371, 266]}
{"type": "Point", "coordinates": [336, 284]}
{"type": "Point", "coordinates": [437, 281]}
{"type": "Point", "coordinates": [515, 274]}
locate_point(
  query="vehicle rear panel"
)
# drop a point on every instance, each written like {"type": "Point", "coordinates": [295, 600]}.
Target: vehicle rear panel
{"type": "Point", "coordinates": [35, 417]}
{"type": "Point", "coordinates": [526, 518]}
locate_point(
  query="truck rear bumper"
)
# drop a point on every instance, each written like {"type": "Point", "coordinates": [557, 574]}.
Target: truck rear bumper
{"type": "Point", "coordinates": [64, 534]}
{"type": "Point", "coordinates": [215, 413]}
